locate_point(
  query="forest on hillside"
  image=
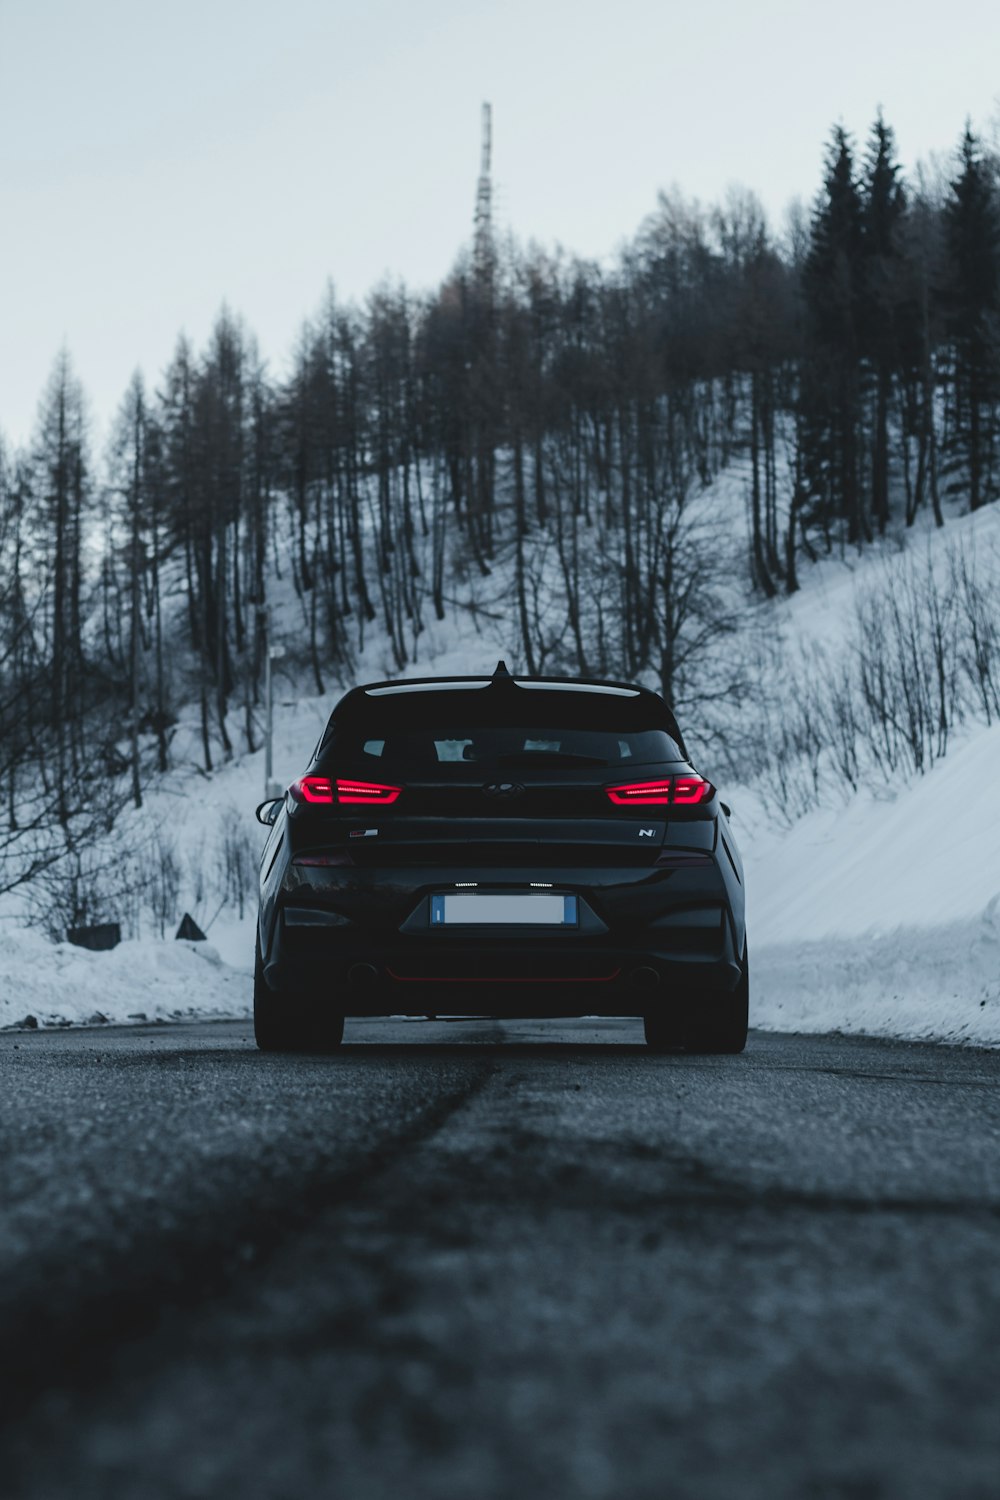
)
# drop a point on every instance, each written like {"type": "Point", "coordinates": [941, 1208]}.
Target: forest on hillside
{"type": "Point", "coordinates": [537, 418]}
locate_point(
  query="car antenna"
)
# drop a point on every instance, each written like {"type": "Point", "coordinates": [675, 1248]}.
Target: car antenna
{"type": "Point", "coordinates": [501, 674]}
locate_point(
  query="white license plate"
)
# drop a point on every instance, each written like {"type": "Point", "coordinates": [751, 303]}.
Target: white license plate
{"type": "Point", "coordinates": [503, 910]}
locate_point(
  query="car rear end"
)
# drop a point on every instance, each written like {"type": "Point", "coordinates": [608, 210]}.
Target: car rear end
{"type": "Point", "coordinates": [503, 847]}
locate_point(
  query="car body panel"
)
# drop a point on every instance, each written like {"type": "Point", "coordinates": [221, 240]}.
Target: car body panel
{"type": "Point", "coordinates": [659, 890]}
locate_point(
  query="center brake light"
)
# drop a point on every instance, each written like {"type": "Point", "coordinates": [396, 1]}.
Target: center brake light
{"type": "Point", "coordinates": [321, 789]}
{"type": "Point", "coordinates": [669, 791]}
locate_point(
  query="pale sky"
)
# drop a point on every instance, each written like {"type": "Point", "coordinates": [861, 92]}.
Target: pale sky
{"type": "Point", "coordinates": [155, 162]}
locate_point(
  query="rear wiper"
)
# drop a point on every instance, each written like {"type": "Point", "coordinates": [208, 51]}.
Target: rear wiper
{"type": "Point", "coordinates": [546, 757]}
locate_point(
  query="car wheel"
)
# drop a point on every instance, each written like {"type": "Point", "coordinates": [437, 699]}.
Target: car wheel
{"type": "Point", "coordinates": [661, 1030]}
{"type": "Point", "coordinates": [724, 1029]}
{"type": "Point", "coordinates": [274, 1025]}
{"type": "Point", "coordinates": [324, 1032]}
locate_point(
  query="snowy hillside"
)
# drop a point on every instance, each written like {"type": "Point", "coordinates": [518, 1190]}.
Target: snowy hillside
{"type": "Point", "coordinates": [883, 916]}
{"type": "Point", "coordinates": [880, 912]}
{"type": "Point", "coordinates": [876, 911]}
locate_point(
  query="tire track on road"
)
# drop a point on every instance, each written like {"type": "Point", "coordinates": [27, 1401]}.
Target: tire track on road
{"type": "Point", "coordinates": [61, 1328]}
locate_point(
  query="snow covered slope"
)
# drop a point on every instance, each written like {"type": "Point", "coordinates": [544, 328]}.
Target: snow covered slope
{"type": "Point", "coordinates": [879, 913]}
{"type": "Point", "coordinates": [884, 916]}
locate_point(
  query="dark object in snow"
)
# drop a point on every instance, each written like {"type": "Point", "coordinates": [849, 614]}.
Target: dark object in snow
{"type": "Point", "coordinates": [189, 930]}
{"type": "Point", "coordinates": [98, 939]}
{"type": "Point", "coordinates": [98, 1019]}
{"type": "Point", "coordinates": [30, 1023]}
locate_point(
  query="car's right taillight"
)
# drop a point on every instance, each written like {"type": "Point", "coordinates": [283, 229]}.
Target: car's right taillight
{"type": "Point", "coordinates": [323, 858]}
{"type": "Point", "coordinates": [667, 791]}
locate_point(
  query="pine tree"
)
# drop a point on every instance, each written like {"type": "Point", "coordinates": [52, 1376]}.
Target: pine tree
{"type": "Point", "coordinates": [972, 223]}
{"type": "Point", "coordinates": [884, 211]}
{"type": "Point", "coordinates": [832, 285]}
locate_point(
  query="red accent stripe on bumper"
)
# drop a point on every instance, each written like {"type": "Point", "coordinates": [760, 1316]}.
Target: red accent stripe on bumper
{"type": "Point", "coordinates": [472, 979]}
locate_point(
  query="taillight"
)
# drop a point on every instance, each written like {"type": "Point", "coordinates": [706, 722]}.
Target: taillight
{"type": "Point", "coordinates": [320, 789]}
{"type": "Point", "coordinates": [323, 858]}
{"type": "Point", "coordinates": [669, 791]}
{"type": "Point", "coordinates": [369, 792]}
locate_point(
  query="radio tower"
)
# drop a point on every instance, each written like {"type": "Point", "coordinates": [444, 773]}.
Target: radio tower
{"type": "Point", "coordinates": [483, 246]}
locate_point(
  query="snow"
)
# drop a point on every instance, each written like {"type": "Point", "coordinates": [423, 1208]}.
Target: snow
{"type": "Point", "coordinates": [883, 917]}
{"type": "Point", "coordinates": [59, 984]}
{"type": "Point", "coordinates": [922, 855]}
{"type": "Point", "coordinates": [937, 983]}
{"type": "Point", "coordinates": [822, 609]}
{"type": "Point", "coordinates": [880, 915]}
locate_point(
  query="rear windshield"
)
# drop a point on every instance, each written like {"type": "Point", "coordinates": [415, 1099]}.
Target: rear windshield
{"type": "Point", "coordinates": [458, 744]}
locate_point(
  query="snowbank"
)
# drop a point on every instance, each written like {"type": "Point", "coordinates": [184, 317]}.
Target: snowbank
{"type": "Point", "coordinates": [58, 984]}
{"type": "Point", "coordinates": [938, 984]}
{"type": "Point", "coordinates": [883, 916]}
{"type": "Point", "coordinates": [920, 855]}
{"type": "Point", "coordinates": [918, 983]}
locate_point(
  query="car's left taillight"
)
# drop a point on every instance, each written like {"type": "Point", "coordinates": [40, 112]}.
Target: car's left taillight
{"type": "Point", "coordinates": [325, 791]}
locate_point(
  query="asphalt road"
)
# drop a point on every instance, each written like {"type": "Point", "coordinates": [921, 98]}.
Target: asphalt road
{"type": "Point", "coordinates": [488, 1260]}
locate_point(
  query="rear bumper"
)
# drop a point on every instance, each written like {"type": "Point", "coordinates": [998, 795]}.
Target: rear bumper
{"type": "Point", "coordinates": [363, 942]}
{"type": "Point", "coordinates": [513, 978]}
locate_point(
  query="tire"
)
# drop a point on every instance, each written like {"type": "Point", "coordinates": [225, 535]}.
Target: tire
{"type": "Point", "coordinates": [724, 1029]}
{"type": "Point", "coordinates": [324, 1032]}
{"type": "Point", "coordinates": [661, 1031]}
{"type": "Point", "coordinates": [282, 1025]}
{"type": "Point", "coordinates": [273, 1024]}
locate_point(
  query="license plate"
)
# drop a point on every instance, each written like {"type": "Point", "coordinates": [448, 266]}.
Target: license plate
{"type": "Point", "coordinates": [502, 910]}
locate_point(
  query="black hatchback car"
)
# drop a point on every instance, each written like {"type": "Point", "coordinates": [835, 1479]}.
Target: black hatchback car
{"type": "Point", "coordinates": [501, 846]}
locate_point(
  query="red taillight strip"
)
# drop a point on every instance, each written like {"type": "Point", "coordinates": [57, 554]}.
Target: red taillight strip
{"type": "Point", "coordinates": [475, 979]}
{"type": "Point", "coordinates": [673, 791]}
{"type": "Point", "coordinates": [366, 791]}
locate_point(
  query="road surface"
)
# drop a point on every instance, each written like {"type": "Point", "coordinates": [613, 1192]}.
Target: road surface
{"type": "Point", "coordinates": [476, 1260]}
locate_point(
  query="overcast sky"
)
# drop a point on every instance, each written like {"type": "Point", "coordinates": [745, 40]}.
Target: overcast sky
{"type": "Point", "coordinates": [159, 161]}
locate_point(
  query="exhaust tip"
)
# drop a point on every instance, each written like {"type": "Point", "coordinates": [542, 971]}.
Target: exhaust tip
{"type": "Point", "coordinates": [644, 978]}
{"type": "Point", "coordinates": [362, 976]}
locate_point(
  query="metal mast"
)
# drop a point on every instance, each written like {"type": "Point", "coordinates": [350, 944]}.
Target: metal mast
{"type": "Point", "coordinates": [483, 248]}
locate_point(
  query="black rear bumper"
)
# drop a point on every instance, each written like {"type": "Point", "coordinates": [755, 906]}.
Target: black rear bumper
{"type": "Point", "coordinates": [361, 941]}
{"type": "Point", "coordinates": [515, 978]}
